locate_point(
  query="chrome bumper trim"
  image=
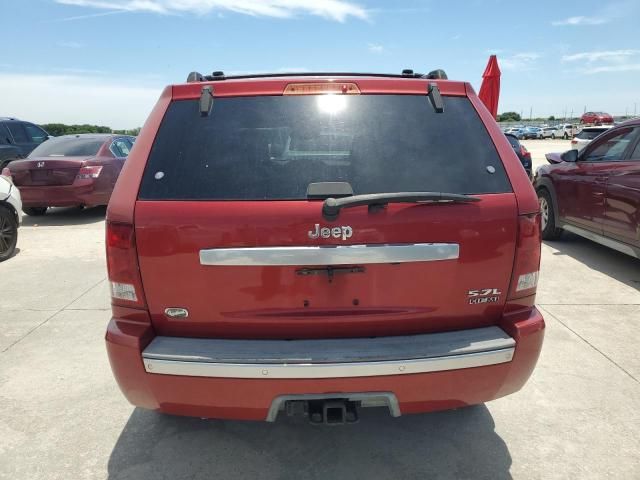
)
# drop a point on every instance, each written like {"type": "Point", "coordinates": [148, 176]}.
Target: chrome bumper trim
{"type": "Point", "coordinates": [328, 370]}
{"type": "Point", "coordinates": [330, 255]}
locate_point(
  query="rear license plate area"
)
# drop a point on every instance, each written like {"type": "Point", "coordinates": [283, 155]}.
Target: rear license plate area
{"type": "Point", "coordinates": [39, 175]}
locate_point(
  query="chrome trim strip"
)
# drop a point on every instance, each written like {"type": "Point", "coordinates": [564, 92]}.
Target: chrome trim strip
{"type": "Point", "coordinates": [330, 255]}
{"type": "Point", "coordinates": [328, 370]}
{"type": "Point", "coordinates": [602, 240]}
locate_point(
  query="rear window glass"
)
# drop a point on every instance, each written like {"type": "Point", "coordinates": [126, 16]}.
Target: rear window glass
{"type": "Point", "coordinates": [273, 147]}
{"type": "Point", "coordinates": [589, 134]}
{"type": "Point", "coordinates": [68, 147]}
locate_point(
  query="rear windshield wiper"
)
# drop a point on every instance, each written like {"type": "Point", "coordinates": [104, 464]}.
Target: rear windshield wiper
{"type": "Point", "coordinates": [332, 206]}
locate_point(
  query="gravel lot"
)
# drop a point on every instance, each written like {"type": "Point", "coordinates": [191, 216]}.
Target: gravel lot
{"type": "Point", "coordinates": [63, 417]}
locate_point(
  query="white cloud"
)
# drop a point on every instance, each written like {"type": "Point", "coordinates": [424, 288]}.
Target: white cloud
{"type": "Point", "coordinates": [602, 61]}
{"type": "Point", "coordinates": [71, 98]}
{"type": "Point", "coordinates": [608, 12]}
{"type": "Point", "coordinates": [595, 56]}
{"type": "Point", "coordinates": [627, 67]}
{"type": "Point", "coordinates": [581, 20]}
{"type": "Point", "coordinates": [83, 17]}
{"type": "Point", "coordinates": [338, 10]}
{"type": "Point", "coordinates": [375, 48]}
{"type": "Point", "coordinates": [520, 61]}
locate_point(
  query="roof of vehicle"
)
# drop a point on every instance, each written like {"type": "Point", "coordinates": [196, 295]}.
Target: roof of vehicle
{"type": "Point", "coordinates": [91, 135]}
{"type": "Point", "coordinates": [633, 121]}
{"type": "Point", "coordinates": [275, 83]}
{"type": "Point", "coordinates": [597, 128]}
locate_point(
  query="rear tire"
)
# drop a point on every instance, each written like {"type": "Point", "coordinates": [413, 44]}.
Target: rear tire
{"type": "Point", "coordinates": [553, 136]}
{"type": "Point", "coordinates": [34, 211]}
{"type": "Point", "coordinates": [8, 233]}
{"type": "Point", "coordinates": [549, 229]}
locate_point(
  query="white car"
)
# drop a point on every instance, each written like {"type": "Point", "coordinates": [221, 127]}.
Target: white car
{"type": "Point", "coordinates": [10, 217]}
{"type": "Point", "coordinates": [566, 130]}
{"type": "Point", "coordinates": [587, 134]}
{"type": "Point", "coordinates": [550, 132]}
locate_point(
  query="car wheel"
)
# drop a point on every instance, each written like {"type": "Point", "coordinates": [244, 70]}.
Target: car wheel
{"type": "Point", "coordinates": [34, 211]}
{"type": "Point", "coordinates": [8, 233]}
{"type": "Point", "coordinates": [566, 136]}
{"type": "Point", "coordinates": [548, 218]}
{"type": "Point", "coordinates": [553, 136]}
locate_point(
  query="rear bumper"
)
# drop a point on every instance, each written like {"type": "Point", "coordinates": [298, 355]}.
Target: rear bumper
{"type": "Point", "coordinates": [81, 192]}
{"type": "Point", "coordinates": [449, 371]}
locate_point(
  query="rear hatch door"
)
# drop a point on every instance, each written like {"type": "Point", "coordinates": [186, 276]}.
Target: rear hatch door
{"type": "Point", "coordinates": [225, 231]}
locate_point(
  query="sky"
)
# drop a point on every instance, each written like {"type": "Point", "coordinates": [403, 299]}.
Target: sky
{"type": "Point", "coordinates": [106, 61]}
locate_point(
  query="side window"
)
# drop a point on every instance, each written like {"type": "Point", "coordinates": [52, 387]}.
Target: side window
{"type": "Point", "coordinates": [18, 132]}
{"type": "Point", "coordinates": [4, 135]}
{"type": "Point", "coordinates": [635, 155]}
{"type": "Point", "coordinates": [35, 133]}
{"type": "Point", "coordinates": [121, 147]}
{"type": "Point", "coordinates": [611, 148]}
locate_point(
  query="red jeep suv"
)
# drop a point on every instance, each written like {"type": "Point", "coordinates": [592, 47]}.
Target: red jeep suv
{"type": "Point", "coordinates": [317, 243]}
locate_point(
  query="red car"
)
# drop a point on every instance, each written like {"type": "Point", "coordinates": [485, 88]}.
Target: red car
{"type": "Point", "coordinates": [595, 193]}
{"type": "Point", "coordinates": [72, 170]}
{"type": "Point", "coordinates": [317, 243]}
{"type": "Point", "coordinates": [598, 118]}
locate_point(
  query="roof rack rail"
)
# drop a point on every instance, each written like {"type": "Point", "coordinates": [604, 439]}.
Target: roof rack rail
{"type": "Point", "coordinates": [406, 73]}
{"type": "Point", "coordinates": [437, 74]}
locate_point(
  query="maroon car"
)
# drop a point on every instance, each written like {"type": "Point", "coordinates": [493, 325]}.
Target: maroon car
{"type": "Point", "coordinates": [595, 193]}
{"type": "Point", "coordinates": [72, 170]}
{"type": "Point", "coordinates": [598, 118]}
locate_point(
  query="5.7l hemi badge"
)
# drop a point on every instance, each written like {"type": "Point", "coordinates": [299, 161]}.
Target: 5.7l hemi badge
{"type": "Point", "coordinates": [484, 295]}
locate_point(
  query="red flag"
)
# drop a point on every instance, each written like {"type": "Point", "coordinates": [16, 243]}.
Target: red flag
{"type": "Point", "coordinates": [490, 88]}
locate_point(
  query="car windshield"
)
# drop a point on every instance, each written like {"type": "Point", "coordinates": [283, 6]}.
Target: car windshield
{"type": "Point", "coordinates": [68, 147]}
{"type": "Point", "coordinates": [273, 147]}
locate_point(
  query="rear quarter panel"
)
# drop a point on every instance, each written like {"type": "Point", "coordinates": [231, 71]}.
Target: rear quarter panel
{"type": "Point", "coordinates": [122, 202]}
{"type": "Point", "coordinates": [522, 187]}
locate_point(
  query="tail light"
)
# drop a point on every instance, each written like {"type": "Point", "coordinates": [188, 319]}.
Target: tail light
{"type": "Point", "coordinates": [524, 279]}
{"type": "Point", "coordinates": [524, 152]}
{"type": "Point", "coordinates": [122, 264]}
{"type": "Point", "coordinates": [89, 172]}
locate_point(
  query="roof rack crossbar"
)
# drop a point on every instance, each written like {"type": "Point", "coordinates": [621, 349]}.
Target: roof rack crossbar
{"type": "Point", "coordinates": [217, 76]}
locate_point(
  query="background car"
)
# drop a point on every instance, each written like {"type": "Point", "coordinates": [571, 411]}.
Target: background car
{"type": "Point", "coordinates": [516, 132]}
{"type": "Point", "coordinates": [596, 118]}
{"type": "Point", "coordinates": [523, 154]}
{"type": "Point", "coordinates": [10, 217]}
{"type": "Point", "coordinates": [513, 129]}
{"type": "Point", "coordinates": [549, 132]}
{"type": "Point", "coordinates": [71, 170]}
{"type": "Point", "coordinates": [585, 136]}
{"type": "Point", "coordinates": [566, 130]}
{"type": "Point", "coordinates": [595, 192]}
{"type": "Point", "coordinates": [532, 133]}
{"type": "Point", "coordinates": [18, 138]}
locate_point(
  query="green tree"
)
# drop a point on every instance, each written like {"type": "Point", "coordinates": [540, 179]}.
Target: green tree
{"type": "Point", "coordinates": [509, 117]}
{"type": "Point", "coordinates": [57, 129]}
{"type": "Point", "coordinates": [551, 118]}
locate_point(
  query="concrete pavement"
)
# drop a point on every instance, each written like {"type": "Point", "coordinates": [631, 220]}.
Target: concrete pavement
{"type": "Point", "coordinates": [62, 415]}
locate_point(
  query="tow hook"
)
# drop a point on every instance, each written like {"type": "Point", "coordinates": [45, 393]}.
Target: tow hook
{"type": "Point", "coordinates": [325, 412]}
